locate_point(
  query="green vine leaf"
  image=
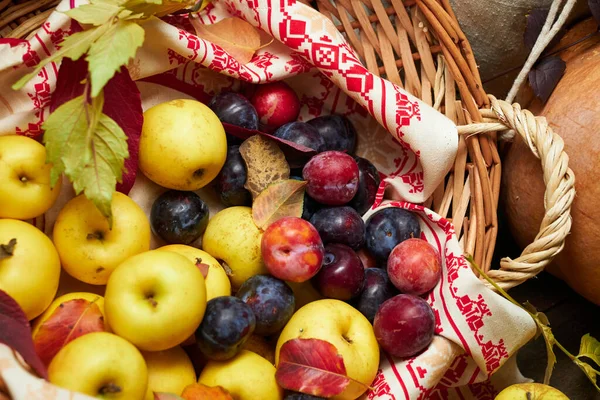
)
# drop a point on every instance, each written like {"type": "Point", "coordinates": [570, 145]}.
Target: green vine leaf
{"type": "Point", "coordinates": [550, 342]}
{"type": "Point", "coordinates": [590, 348]}
{"type": "Point", "coordinates": [89, 147]}
{"type": "Point", "coordinates": [96, 13]}
{"type": "Point", "coordinates": [111, 51]}
{"type": "Point", "coordinates": [73, 47]}
{"type": "Point", "coordinates": [589, 371]}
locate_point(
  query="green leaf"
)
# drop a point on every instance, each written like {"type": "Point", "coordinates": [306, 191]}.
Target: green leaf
{"type": "Point", "coordinates": [550, 342]}
{"type": "Point", "coordinates": [61, 131]}
{"type": "Point", "coordinates": [72, 47]}
{"type": "Point", "coordinates": [111, 51]}
{"type": "Point", "coordinates": [96, 14]}
{"type": "Point", "coordinates": [89, 147]}
{"type": "Point", "coordinates": [99, 177]}
{"type": "Point", "coordinates": [590, 348]}
{"type": "Point", "coordinates": [589, 371]}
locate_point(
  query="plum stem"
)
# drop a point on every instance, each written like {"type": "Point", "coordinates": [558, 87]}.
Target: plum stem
{"type": "Point", "coordinates": [7, 250]}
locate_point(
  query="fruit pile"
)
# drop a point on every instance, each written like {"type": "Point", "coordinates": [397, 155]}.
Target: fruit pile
{"type": "Point", "coordinates": [291, 296]}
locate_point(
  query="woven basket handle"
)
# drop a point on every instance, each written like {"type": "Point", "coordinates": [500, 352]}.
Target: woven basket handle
{"type": "Point", "coordinates": [558, 197]}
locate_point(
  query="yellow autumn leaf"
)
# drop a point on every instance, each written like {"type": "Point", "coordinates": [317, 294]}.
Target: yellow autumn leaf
{"type": "Point", "coordinates": [281, 199]}
{"type": "Point", "coordinates": [234, 35]}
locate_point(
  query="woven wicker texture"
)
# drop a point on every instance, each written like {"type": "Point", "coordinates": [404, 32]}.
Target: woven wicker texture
{"type": "Point", "coordinates": [418, 44]}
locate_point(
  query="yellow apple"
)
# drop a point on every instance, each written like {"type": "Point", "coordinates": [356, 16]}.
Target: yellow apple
{"type": "Point", "coordinates": [183, 145]}
{"type": "Point", "coordinates": [232, 236]}
{"type": "Point", "coordinates": [100, 365]}
{"type": "Point", "coordinates": [217, 282]}
{"type": "Point", "coordinates": [348, 330]}
{"type": "Point", "coordinates": [247, 376]}
{"type": "Point", "coordinates": [531, 391]}
{"type": "Point", "coordinates": [156, 300]}
{"type": "Point", "coordinates": [88, 249]}
{"type": "Point", "coordinates": [29, 270]}
{"type": "Point", "coordinates": [25, 191]}
{"type": "Point", "coordinates": [169, 371]}
{"type": "Point", "coordinates": [91, 297]}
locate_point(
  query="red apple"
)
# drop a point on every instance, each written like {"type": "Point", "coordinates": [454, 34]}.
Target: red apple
{"type": "Point", "coordinates": [292, 249]}
{"type": "Point", "coordinates": [414, 266]}
{"type": "Point", "coordinates": [276, 104]}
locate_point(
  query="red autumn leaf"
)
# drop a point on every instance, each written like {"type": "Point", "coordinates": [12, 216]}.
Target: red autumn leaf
{"type": "Point", "coordinates": [122, 102]}
{"type": "Point", "coordinates": [70, 320]}
{"type": "Point", "coordinates": [202, 267]}
{"type": "Point", "coordinates": [311, 366]}
{"type": "Point", "coordinates": [15, 332]}
{"type": "Point", "coordinates": [198, 391]}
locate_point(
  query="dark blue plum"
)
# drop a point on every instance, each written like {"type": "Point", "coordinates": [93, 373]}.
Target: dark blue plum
{"type": "Point", "coordinates": [337, 131]}
{"type": "Point", "coordinates": [301, 133]}
{"type": "Point", "coordinates": [378, 289]}
{"type": "Point", "coordinates": [301, 396]}
{"type": "Point", "coordinates": [179, 217]}
{"type": "Point", "coordinates": [339, 225]}
{"type": "Point", "coordinates": [386, 228]}
{"type": "Point", "coordinates": [310, 206]}
{"type": "Point", "coordinates": [271, 300]}
{"type": "Point", "coordinates": [368, 183]}
{"type": "Point", "coordinates": [234, 109]}
{"type": "Point", "coordinates": [227, 324]}
{"type": "Point", "coordinates": [229, 184]}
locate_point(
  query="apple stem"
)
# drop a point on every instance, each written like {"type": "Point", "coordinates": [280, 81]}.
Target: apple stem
{"type": "Point", "coordinates": [110, 388]}
{"type": "Point", "coordinates": [7, 250]}
{"type": "Point", "coordinates": [96, 235]}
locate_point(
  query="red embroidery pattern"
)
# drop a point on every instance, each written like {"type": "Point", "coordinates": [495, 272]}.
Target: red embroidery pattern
{"type": "Point", "coordinates": [297, 64]}
{"type": "Point", "coordinates": [417, 375]}
{"type": "Point", "coordinates": [381, 389]}
{"type": "Point", "coordinates": [474, 311]}
{"type": "Point", "coordinates": [454, 372]}
{"type": "Point", "coordinates": [415, 180]}
{"type": "Point", "coordinates": [264, 61]}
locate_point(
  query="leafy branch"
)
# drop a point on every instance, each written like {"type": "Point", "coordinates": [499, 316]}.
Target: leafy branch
{"type": "Point", "coordinates": [81, 141]}
{"type": "Point", "coordinates": [589, 348]}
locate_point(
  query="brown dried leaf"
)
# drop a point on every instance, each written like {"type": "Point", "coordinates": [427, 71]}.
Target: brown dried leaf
{"type": "Point", "coordinates": [234, 35]}
{"type": "Point", "coordinates": [265, 162]}
{"type": "Point", "coordinates": [281, 199]}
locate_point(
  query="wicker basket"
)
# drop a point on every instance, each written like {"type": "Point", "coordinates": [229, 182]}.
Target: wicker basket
{"type": "Point", "coordinates": [419, 45]}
